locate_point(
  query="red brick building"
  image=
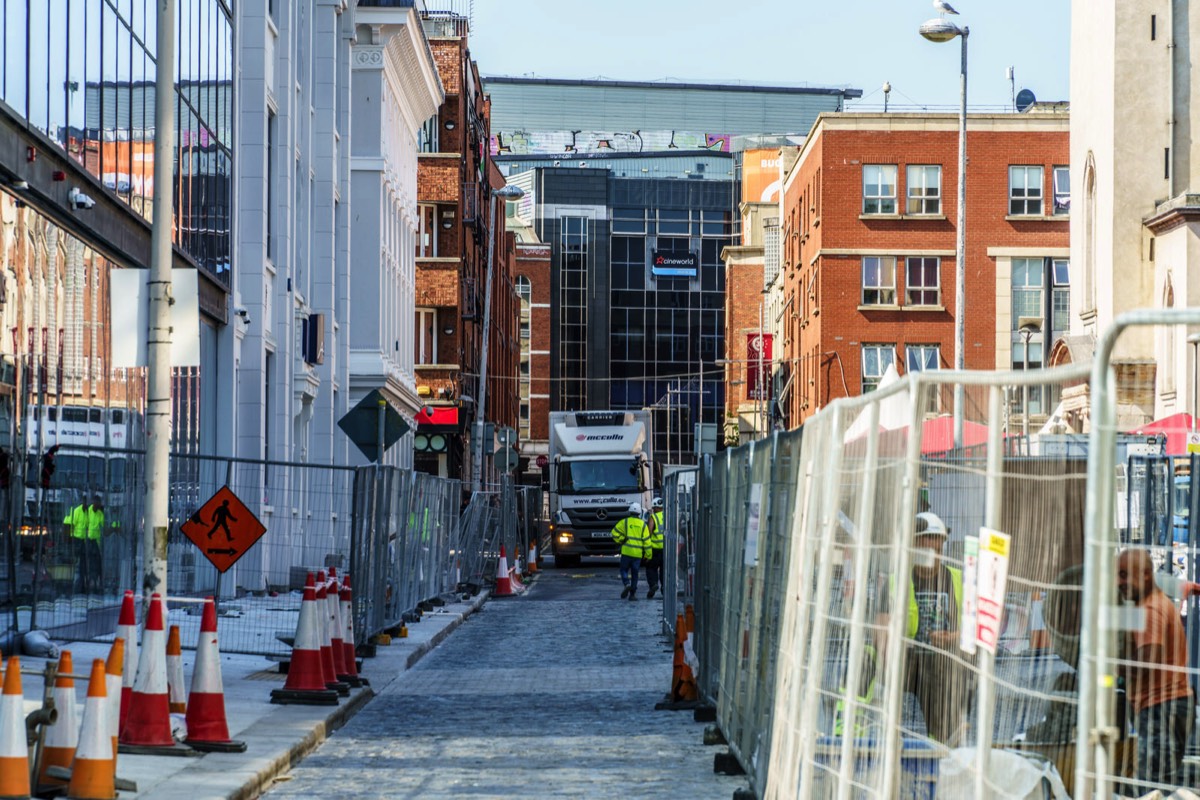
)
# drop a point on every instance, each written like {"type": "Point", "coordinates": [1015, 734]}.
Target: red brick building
{"type": "Point", "coordinates": [868, 250]}
{"type": "Point", "coordinates": [533, 288]}
{"type": "Point", "coordinates": [454, 179]}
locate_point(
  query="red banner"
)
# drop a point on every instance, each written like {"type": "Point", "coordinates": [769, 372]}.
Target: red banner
{"type": "Point", "coordinates": [758, 364]}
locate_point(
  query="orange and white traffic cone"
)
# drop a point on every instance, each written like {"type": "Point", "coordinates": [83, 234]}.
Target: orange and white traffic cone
{"type": "Point", "coordinates": [533, 557]}
{"type": "Point", "coordinates": [127, 629]}
{"type": "Point", "coordinates": [337, 633]}
{"type": "Point", "coordinates": [683, 682]}
{"type": "Point", "coordinates": [323, 623]}
{"type": "Point", "coordinates": [176, 693]}
{"type": "Point", "coordinates": [113, 669]}
{"type": "Point", "coordinates": [504, 586]}
{"type": "Point", "coordinates": [94, 771]}
{"type": "Point", "coordinates": [305, 683]}
{"type": "Point", "coordinates": [346, 615]}
{"type": "Point", "coordinates": [58, 746]}
{"type": "Point", "coordinates": [148, 723]}
{"type": "Point", "coordinates": [206, 725]}
{"type": "Point", "coordinates": [14, 754]}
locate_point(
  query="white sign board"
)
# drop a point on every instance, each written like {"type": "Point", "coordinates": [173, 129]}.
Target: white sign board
{"type": "Point", "coordinates": [966, 628]}
{"type": "Point", "coordinates": [991, 586]}
{"type": "Point", "coordinates": [753, 522]}
{"type": "Point", "coordinates": [1193, 442]}
{"type": "Point", "coordinates": [130, 304]}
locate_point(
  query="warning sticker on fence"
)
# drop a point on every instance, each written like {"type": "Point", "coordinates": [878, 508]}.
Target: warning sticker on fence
{"type": "Point", "coordinates": [991, 587]}
{"type": "Point", "coordinates": [224, 529]}
{"type": "Point", "coordinates": [970, 601]}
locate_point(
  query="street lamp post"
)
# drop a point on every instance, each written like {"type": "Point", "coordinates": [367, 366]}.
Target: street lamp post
{"type": "Point", "coordinates": [942, 30]}
{"type": "Point", "coordinates": [1028, 327]}
{"type": "Point", "coordinates": [508, 192]}
{"type": "Point", "coordinates": [1194, 341]}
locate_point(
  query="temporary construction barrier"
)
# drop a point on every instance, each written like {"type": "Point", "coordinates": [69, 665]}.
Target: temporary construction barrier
{"type": "Point", "coordinates": [127, 629]}
{"type": "Point", "coordinates": [176, 691]}
{"type": "Point", "coordinates": [94, 770]}
{"type": "Point", "coordinates": [305, 683]}
{"type": "Point", "coordinates": [149, 720]}
{"type": "Point", "coordinates": [61, 738]}
{"type": "Point", "coordinates": [206, 724]}
{"type": "Point", "coordinates": [14, 755]}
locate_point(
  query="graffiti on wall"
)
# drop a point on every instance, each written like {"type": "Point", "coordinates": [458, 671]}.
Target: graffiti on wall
{"type": "Point", "coordinates": [524, 143]}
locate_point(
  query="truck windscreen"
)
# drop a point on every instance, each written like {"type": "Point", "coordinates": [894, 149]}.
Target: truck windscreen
{"type": "Point", "coordinates": [599, 477]}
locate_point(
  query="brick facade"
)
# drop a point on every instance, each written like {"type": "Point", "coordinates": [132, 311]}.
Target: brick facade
{"type": "Point", "coordinates": [826, 235]}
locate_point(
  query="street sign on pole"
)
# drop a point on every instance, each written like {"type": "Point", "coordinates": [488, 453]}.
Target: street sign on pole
{"type": "Point", "coordinates": [224, 529]}
{"type": "Point", "coordinates": [361, 424]}
{"type": "Point", "coordinates": [505, 459]}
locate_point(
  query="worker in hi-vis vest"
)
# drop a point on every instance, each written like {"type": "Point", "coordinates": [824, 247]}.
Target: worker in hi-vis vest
{"type": "Point", "coordinates": [933, 614]}
{"type": "Point", "coordinates": [85, 524]}
{"type": "Point", "coordinates": [633, 536]}
{"type": "Point", "coordinates": [654, 555]}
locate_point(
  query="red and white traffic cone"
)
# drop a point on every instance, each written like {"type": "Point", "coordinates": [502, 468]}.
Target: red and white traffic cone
{"type": "Point", "coordinates": [14, 754]}
{"type": "Point", "coordinates": [305, 683]}
{"type": "Point", "coordinates": [206, 725]}
{"type": "Point", "coordinates": [323, 622]}
{"type": "Point", "coordinates": [176, 692]}
{"type": "Point", "coordinates": [58, 746]}
{"type": "Point", "coordinates": [94, 771]}
{"type": "Point", "coordinates": [533, 557]}
{"type": "Point", "coordinates": [148, 724]}
{"type": "Point", "coordinates": [343, 670]}
{"type": "Point", "coordinates": [346, 613]}
{"type": "Point", "coordinates": [503, 587]}
{"type": "Point", "coordinates": [113, 669]}
{"type": "Point", "coordinates": [127, 629]}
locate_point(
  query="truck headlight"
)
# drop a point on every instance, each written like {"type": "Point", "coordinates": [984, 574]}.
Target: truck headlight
{"type": "Point", "coordinates": [565, 538]}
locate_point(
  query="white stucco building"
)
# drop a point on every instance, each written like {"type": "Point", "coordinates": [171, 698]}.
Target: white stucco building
{"type": "Point", "coordinates": [1135, 166]}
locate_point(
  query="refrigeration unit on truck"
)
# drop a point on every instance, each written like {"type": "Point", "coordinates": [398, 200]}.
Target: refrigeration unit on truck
{"type": "Point", "coordinates": [600, 463]}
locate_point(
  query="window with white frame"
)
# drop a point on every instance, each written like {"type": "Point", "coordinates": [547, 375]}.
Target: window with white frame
{"type": "Point", "coordinates": [879, 189]}
{"type": "Point", "coordinates": [922, 357]}
{"type": "Point", "coordinates": [1062, 191]}
{"type": "Point", "coordinates": [425, 336]}
{"type": "Point", "coordinates": [1024, 191]}
{"type": "Point", "coordinates": [924, 188]}
{"type": "Point", "coordinates": [922, 281]}
{"type": "Point", "coordinates": [1027, 282]}
{"type": "Point", "coordinates": [1060, 300]}
{"type": "Point", "coordinates": [878, 281]}
{"type": "Point", "coordinates": [876, 358]}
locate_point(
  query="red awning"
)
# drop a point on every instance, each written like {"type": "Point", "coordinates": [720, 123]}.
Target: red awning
{"type": "Point", "coordinates": [1176, 427]}
{"type": "Point", "coordinates": [440, 416]}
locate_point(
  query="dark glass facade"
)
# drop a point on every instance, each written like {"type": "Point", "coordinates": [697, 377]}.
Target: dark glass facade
{"type": "Point", "coordinates": [82, 72]}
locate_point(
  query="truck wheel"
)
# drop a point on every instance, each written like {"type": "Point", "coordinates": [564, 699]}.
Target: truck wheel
{"type": "Point", "coordinates": [566, 562]}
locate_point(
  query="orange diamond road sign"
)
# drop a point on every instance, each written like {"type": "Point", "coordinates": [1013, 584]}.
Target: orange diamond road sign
{"type": "Point", "coordinates": [224, 529]}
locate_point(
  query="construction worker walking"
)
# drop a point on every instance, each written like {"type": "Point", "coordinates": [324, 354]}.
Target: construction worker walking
{"type": "Point", "coordinates": [654, 561]}
{"type": "Point", "coordinates": [85, 524]}
{"type": "Point", "coordinates": [633, 536]}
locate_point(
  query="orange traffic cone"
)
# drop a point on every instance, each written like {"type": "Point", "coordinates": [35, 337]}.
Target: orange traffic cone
{"type": "Point", "coordinates": [148, 723]}
{"type": "Point", "coordinates": [176, 694]}
{"type": "Point", "coordinates": [306, 678]}
{"type": "Point", "coordinates": [336, 648]}
{"type": "Point", "coordinates": [94, 772]}
{"type": "Point", "coordinates": [533, 557]}
{"type": "Point", "coordinates": [504, 586]}
{"type": "Point", "coordinates": [206, 725]}
{"type": "Point", "coordinates": [349, 657]}
{"type": "Point", "coordinates": [683, 683]}
{"type": "Point", "coordinates": [127, 630]}
{"type": "Point", "coordinates": [14, 754]}
{"type": "Point", "coordinates": [323, 624]}
{"type": "Point", "coordinates": [58, 747]}
{"type": "Point", "coordinates": [113, 668]}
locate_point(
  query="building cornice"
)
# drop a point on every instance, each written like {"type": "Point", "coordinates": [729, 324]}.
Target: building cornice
{"type": "Point", "coordinates": [1175, 212]}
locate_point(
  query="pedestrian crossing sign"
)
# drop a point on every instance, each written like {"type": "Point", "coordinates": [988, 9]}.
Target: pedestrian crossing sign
{"type": "Point", "coordinates": [223, 528]}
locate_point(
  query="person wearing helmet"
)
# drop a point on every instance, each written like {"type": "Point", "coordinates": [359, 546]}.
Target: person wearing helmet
{"type": "Point", "coordinates": [933, 613]}
{"type": "Point", "coordinates": [632, 534]}
{"type": "Point", "coordinates": [654, 560]}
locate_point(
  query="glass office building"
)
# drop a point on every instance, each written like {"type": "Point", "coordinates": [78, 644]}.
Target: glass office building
{"type": "Point", "coordinates": [82, 73]}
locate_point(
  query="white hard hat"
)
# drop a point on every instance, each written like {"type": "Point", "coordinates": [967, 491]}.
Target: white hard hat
{"type": "Point", "coordinates": [658, 502]}
{"type": "Point", "coordinates": [635, 509]}
{"type": "Point", "coordinates": [930, 524]}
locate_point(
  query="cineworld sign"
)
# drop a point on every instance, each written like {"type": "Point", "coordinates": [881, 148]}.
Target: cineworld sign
{"type": "Point", "coordinates": [674, 264]}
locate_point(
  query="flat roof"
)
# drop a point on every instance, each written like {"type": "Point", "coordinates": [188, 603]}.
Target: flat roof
{"type": "Point", "coordinates": [668, 85]}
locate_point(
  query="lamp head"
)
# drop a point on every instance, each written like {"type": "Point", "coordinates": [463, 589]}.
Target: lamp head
{"type": "Point", "coordinates": [510, 192]}
{"type": "Point", "coordinates": [940, 30]}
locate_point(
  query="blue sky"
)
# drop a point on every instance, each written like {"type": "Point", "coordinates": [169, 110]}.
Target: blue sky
{"type": "Point", "coordinates": [858, 43]}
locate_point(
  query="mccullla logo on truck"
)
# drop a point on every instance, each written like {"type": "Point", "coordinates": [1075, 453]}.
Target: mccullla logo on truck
{"type": "Point", "coordinates": [612, 437]}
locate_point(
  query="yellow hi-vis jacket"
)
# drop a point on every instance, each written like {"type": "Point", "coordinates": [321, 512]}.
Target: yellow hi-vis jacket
{"type": "Point", "coordinates": [656, 530]}
{"type": "Point", "coordinates": [86, 522]}
{"type": "Point", "coordinates": [914, 612]}
{"type": "Point", "coordinates": [634, 537]}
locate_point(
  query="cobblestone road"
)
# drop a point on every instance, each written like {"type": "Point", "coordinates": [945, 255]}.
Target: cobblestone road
{"type": "Point", "coordinates": [548, 695]}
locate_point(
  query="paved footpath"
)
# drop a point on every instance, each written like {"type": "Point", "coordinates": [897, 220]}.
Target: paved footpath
{"type": "Point", "coordinates": [547, 695]}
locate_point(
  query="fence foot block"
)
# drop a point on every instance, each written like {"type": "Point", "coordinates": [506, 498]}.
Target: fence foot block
{"type": "Point", "coordinates": [744, 793]}
{"type": "Point", "coordinates": [677, 705]}
{"type": "Point", "coordinates": [304, 698]}
{"type": "Point", "coordinates": [727, 764]}
{"type": "Point", "coordinates": [705, 713]}
{"type": "Point", "coordinates": [713, 735]}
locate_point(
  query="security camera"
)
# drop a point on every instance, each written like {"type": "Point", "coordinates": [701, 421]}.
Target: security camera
{"type": "Point", "coordinates": [78, 200]}
{"type": "Point", "coordinates": [244, 313]}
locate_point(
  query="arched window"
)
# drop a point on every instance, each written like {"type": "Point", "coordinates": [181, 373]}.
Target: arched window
{"type": "Point", "coordinates": [1169, 339]}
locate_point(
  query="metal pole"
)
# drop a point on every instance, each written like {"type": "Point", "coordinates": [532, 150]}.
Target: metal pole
{"type": "Point", "coordinates": [481, 402]}
{"type": "Point", "coordinates": [158, 339]}
{"type": "Point", "coordinates": [758, 401]}
{"type": "Point", "coordinates": [960, 252]}
{"type": "Point", "coordinates": [1026, 335]}
{"type": "Point", "coordinates": [379, 433]}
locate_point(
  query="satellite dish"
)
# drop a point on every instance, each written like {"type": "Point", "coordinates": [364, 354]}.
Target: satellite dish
{"type": "Point", "coordinates": [1025, 99]}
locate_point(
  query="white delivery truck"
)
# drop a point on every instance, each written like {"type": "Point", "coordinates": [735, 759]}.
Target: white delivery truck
{"type": "Point", "coordinates": [601, 462]}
